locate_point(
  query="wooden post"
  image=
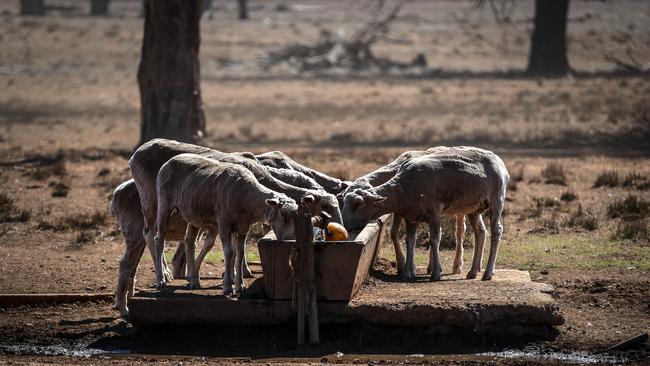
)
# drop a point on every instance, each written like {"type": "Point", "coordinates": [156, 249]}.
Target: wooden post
{"type": "Point", "coordinates": [305, 277]}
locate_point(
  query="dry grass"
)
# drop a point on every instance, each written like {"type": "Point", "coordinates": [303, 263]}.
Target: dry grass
{"type": "Point", "coordinates": [568, 196]}
{"type": "Point", "coordinates": [9, 212]}
{"type": "Point", "coordinates": [631, 208]}
{"type": "Point", "coordinates": [632, 230]}
{"type": "Point", "coordinates": [580, 218]}
{"type": "Point", "coordinates": [554, 173]}
{"type": "Point", "coordinates": [85, 221]}
{"type": "Point", "coordinates": [608, 178]}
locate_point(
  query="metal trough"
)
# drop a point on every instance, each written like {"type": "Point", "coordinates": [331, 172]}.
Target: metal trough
{"type": "Point", "coordinates": [341, 266]}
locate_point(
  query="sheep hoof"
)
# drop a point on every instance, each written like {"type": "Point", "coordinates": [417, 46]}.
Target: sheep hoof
{"type": "Point", "coordinates": [486, 276]}
{"type": "Point", "coordinates": [471, 275]}
{"type": "Point", "coordinates": [436, 277]}
{"type": "Point", "coordinates": [195, 286]}
{"type": "Point", "coordinates": [227, 292]}
{"type": "Point", "coordinates": [168, 276]}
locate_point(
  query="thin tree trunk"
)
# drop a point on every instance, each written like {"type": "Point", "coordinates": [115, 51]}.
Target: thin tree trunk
{"type": "Point", "coordinates": [169, 72]}
{"type": "Point", "coordinates": [243, 9]}
{"type": "Point", "coordinates": [32, 7]}
{"type": "Point", "coordinates": [548, 51]}
{"type": "Point", "coordinates": [99, 7]}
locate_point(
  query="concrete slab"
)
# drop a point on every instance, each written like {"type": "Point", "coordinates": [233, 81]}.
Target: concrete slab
{"type": "Point", "coordinates": [509, 305]}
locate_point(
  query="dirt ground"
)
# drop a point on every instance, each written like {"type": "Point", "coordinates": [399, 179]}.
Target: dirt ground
{"type": "Point", "coordinates": [70, 103]}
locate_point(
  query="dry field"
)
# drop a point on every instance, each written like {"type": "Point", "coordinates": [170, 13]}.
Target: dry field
{"type": "Point", "coordinates": [577, 147]}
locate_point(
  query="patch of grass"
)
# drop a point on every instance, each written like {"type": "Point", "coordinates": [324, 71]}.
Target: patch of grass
{"type": "Point", "coordinates": [59, 189]}
{"type": "Point", "coordinates": [552, 223]}
{"type": "Point", "coordinates": [608, 178]}
{"type": "Point", "coordinates": [631, 208]}
{"type": "Point", "coordinates": [568, 196]}
{"type": "Point", "coordinates": [632, 230]}
{"type": "Point", "coordinates": [554, 173]}
{"type": "Point", "coordinates": [534, 252]}
{"type": "Point", "coordinates": [633, 179]}
{"type": "Point", "coordinates": [55, 165]}
{"type": "Point", "coordinates": [84, 221]}
{"type": "Point", "coordinates": [82, 237]}
{"type": "Point", "coordinates": [580, 218]}
{"type": "Point", "coordinates": [517, 174]}
{"type": "Point", "coordinates": [9, 212]}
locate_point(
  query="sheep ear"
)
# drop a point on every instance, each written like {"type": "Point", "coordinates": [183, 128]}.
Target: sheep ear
{"type": "Point", "coordinates": [344, 185]}
{"type": "Point", "coordinates": [376, 198]}
{"type": "Point", "coordinates": [272, 202]}
{"type": "Point", "coordinates": [308, 199]}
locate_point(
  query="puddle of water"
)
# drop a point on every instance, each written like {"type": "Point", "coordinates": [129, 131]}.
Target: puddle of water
{"type": "Point", "coordinates": [571, 357]}
{"type": "Point", "coordinates": [77, 350]}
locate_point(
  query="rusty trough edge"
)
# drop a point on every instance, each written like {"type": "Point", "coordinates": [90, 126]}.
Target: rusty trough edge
{"type": "Point", "coordinates": [11, 300]}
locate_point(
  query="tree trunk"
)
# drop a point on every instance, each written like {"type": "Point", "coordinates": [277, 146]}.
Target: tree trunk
{"type": "Point", "coordinates": [32, 7]}
{"type": "Point", "coordinates": [169, 72]}
{"type": "Point", "coordinates": [99, 7]}
{"type": "Point", "coordinates": [548, 51]}
{"type": "Point", "coordinates": [243, 9]}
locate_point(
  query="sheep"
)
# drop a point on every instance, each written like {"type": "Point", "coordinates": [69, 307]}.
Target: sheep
{"type": "Point", "coordinates": [148, 158]}
{"type": "Point", "coordinates": [221, 198]}
{"type": "Point", "coordinates": [457, 181]}
{"type": "Point", "coordinates": [125, 206]}
{"type": "Point", "coordinates": [382, 175]}
{"type": "Point", "coordinates": [280, 160]}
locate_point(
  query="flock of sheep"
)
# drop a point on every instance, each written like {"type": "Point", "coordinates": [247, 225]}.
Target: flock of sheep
{"type": "Point", "coordinates": [180, 189]}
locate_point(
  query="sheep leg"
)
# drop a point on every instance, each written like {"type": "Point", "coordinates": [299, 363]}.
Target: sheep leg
{"type": "Point", "coordinates": [476, 222]}
{"type": "Point", "coordinates": [496, 229]}
{"type": "Point", "coordinates": [394, 237]}
{"type": "Point", "coordinates": [460, 233]}
{"type": "Point", "coordinates": [178, 261]}
{"type": "Point", "coordinates": [192, 271]}
{"type": "Point", "coordinates": [409, 267]}
{"type": "Point", "coordinates": [239, 254]}
{"type": "Point", "coordinates": [228, 255]}
{"type": "Point", "coordinates": [126, 274]}
{"type": "Point", "coordinates": [434, 250]}
{"type": "Point", "coordinates": [246, 270]}
{"type": "Point", "coordinates": [162, 221]}
{"type": "Point", "coordinates": [208, 244]}
{"type": "Point", "coordinates": [149, 237]}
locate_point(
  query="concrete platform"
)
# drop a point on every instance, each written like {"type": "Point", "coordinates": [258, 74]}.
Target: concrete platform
{"type": "Point", "coordinates": [509, 305]}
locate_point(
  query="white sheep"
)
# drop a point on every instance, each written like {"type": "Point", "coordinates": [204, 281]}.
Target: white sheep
{"type": "Point", "coordinates": [456, 181]}
{"type": "Point", "coordinates": [148, 158]}
{"type": "Point", "coordinates": [125, 206]}
{"type": "Point", "coordinates": [221, 198]}
{"type": "Point", "coordinates": [280, 160]}
{"type": "Point", "coordinates": [381, 176]}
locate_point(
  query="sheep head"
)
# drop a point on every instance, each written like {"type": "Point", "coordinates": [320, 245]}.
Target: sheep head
{"type": "Point", "coordinates": [359, 206]}
{"type": "Point", "coordinates": [280, 215]}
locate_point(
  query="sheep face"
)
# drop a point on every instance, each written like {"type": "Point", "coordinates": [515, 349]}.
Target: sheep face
{"type": "Point", "coordinates": [280, 215]}
{"type": "Point", "coordinates": [359, 207]}
{"type": "Point", "coordinates": [323, 201]}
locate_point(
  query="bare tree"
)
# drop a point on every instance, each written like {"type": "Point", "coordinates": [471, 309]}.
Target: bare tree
{"type": "Point", "coordinates": [99, 7]}
{"type": "Point", "coordinates": [243, 9]}
{"type": "Point", "coordinates": [32, 7]}
{"type": "Point", "coordinates": [548, 51]}
{"type": "Point", "coordinates": [169, 72]}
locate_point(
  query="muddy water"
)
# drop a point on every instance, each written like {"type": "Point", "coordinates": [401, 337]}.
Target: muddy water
{"type": "Point", "coordinates": [534, 354]}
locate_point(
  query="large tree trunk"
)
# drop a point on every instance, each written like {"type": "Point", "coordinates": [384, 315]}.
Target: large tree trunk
{"type": "Point", "coordinates": [169, 73]}
{"type": "Point", "coordinates": [243, 9]}
{"type": "Point", "coordinates": [32, 7]}
{"type": "Point", "coordinates": [99, 7]}
{"type": "Point", "coordinates": [548, 51]}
